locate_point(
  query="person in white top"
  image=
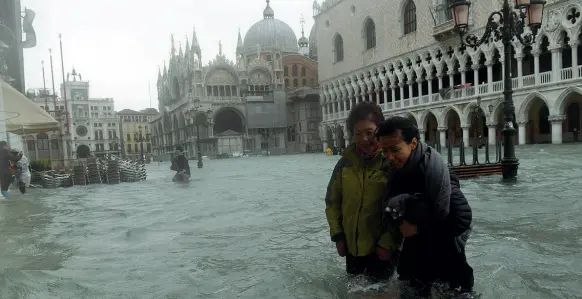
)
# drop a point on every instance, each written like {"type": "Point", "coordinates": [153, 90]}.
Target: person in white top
{"type": "Point", "coordinates": [22, 171]}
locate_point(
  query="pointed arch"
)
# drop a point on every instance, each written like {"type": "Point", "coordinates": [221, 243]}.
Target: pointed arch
{"type": "Point", "coordinates": [559, 106]}
{"type": "Point", "coordinates": [523, 110]}
{"type": "Point", "coordinates": [369, 33]}
{"type": "Point", "coordinates": [410, 116]}
{"type": "Point", "coordinates": [338, 47]}
{"type": "Point", "coordinates": [442, 120]}
{"type": "Point", "coordinates": [408, 13]}
{"type": "Point", "coordinates": [424, 117]}
{"type": "Point", "coordinates": [466, 116]}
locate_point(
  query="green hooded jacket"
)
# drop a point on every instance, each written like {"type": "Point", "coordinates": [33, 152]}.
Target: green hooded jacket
{"type": "Point", "coordinates": [354, 204]}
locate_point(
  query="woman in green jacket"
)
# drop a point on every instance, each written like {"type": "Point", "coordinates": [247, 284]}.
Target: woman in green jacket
{"type": "Point", "coordinates": [354, 199]}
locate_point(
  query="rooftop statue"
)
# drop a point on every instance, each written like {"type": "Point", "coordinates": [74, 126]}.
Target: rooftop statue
{"type": "Point", "coordinates": [28, 29]}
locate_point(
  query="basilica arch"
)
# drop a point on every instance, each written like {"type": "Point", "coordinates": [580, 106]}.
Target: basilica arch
{"type": "Point", "coordinates": [222, 81]}
{"type": "Point", "coordinates": [229, 119]}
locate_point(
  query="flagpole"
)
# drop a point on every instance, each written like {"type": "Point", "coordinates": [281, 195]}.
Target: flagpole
{"type": "Point", "coordinates": [64, 86]}
{"type": "Point", "coordinates": [150, 92]}
{"type": "Point", "coordinates": [53, 80]}
{"type": "Point", "coordinates": [44, 87]}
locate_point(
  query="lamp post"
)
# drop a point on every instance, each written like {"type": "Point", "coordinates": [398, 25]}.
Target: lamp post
{"type": "Point", "coordinates": [477, 117]}
{"type": "Point", "coordinates": [505, 25]}
{"type": "Point", "coordinates": [199, 118]}
{"type": "Point", "coordinates": [139, 138]}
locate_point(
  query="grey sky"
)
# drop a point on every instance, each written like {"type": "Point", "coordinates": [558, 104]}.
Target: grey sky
{"type": "Point", "coordinates": [118, 44]}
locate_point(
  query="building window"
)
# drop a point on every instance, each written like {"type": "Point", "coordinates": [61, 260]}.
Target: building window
{"type": "Point", "coordinates": [302, 71]}
{"type": "Point", "coordinates": [295, 83]}
{"type": "Point", "coordinates": [370, 34]}
{"type": "Point", "coordinates": [129, 148]}
{"type": "Point", "coordinates": [136, 148]}
{"type": "Point", "coordinates": [409, 17]}
{"type": "Point", "coordinates": [304, 82]}
{"type": "Point", "coordinates": [54, 144]}
{"type": "Point", "coordinates": [338, 46]}
{"type": "Point", "coordinates": [286, 82]}
{"type": "Point", "coordinates": [294, 70]}
{"type": "Point", "coordinates": [269, 58]}
{"type": "Point", "coordinates": [128, 137]}
{"type": "Point", "coordinates": [286, 71]}
{"type": "Point", "coordinates": [42, 141]}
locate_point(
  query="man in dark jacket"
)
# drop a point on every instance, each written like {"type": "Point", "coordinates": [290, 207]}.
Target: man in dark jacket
{"type": "Point", "coordinates": [5, 174]}
{"type": "Point", "coordinates": [434, 214]}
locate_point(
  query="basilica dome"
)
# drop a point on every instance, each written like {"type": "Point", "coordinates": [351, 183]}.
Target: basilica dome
{"type": "Point", "coordinates": [313, 42]}
{"type": "Point", "coordinates": [271, 35]}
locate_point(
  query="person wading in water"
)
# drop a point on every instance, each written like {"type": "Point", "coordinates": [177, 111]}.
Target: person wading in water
{"type": "Point", "coordinates": [435, 217]}
{"type": "Point", "coordinates": [353, 202]}
{"type": "Point", "coordinates": [5, 174]}
{"type": "Point", "coordinates": [182, 166]}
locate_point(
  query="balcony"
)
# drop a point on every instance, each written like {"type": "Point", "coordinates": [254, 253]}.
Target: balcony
{"type": "Point", "coordinates": [444, 27]}
{"type": "Point", "coordinates": [570, 76]}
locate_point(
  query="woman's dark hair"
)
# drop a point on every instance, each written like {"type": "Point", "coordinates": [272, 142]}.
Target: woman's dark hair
{"type": "Point", "coordinates": [398, 124]}
{"type": "Point", "coordinates": [179, 148]}
{"type": "Point", "coordinates": [364, 111]}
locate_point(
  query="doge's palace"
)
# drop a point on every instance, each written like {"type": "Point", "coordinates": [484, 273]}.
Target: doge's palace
{"type": "Point", "coordinates": [400, 53]}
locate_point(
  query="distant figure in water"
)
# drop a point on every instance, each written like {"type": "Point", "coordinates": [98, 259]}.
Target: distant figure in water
{"type": "Point", "coordinates": [182, 166]}
{"type": "Point", "coordinates": [22, 172]}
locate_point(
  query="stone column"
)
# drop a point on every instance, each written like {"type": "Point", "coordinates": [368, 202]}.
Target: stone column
{"type": "Point", "coordinates": [401, 85]}
{"type": "Point", "coordinates": [536, 54]}
{"type": "Point", "coordinates": [574, 47]}
{"type": "Point", "coordinates": [463, 71]}
{"type": "Point", "coordinates": [489, 65]}
{"type": "Point", "coordinates": [429, 80]}
{"type": "Point", "coordinates": [410, 83]}
{"type": "Point", "coordinates": [556, 64]}
{"type": "Point", "coordinates": [519, 58]}
{"type": "Point", "coordinates": [393, 92]}
{"type": "Point", "coordinates": [522, 132]}
{"type": "Point", "coordinates": [385, 89]}
{"type": "Point", "coordinates": [476, 83]}
{"type": "Point", "coordinates": [465, 129]}
{"type": "Point", "coordinates": [442, 136]}
{"type": "Point", "coordinates": [422, 135]}
{"type": "Point", "coordinates": [491, 133]}
{"type": "Point", "coordinates": [557, 121]}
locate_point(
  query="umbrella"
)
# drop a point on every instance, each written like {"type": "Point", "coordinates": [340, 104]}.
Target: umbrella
{"type": "Point", "coordinates": [22, 115]}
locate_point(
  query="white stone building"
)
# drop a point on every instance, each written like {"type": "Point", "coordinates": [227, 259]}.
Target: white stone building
{"type": "Point", "coordinates": [94, 125]}
{"type": "Point", "coordinates": [400, 53]}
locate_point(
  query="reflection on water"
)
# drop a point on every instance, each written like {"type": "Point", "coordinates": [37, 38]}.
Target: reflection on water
{"type": "Point", "coordinates": [255, 228]}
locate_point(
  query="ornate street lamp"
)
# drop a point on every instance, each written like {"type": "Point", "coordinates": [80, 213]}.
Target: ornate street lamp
{"type": "Point", "coordinates": [199, 118]}
{"type": "Point", "coordinates": [477, 117]}
{"type": "Point", "coordinates": [140, 138]}
{"type": "Point", "coordinates": [505, 25]}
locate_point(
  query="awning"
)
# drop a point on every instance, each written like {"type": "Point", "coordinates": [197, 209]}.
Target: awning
{"type": "Point", "coordinates": [22, 115]}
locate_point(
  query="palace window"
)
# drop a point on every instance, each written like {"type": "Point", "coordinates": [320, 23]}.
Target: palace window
{"type": "Point", "coordinates": [370, 34]}
{"type": "Point", "coordinates": [409, 17]}
{"type": "Point", "coordinates": [294, 70]}
{"type": "Point", "coordinates": [302, 71]}
{"type": "Point", "coordinates": [338, 46]}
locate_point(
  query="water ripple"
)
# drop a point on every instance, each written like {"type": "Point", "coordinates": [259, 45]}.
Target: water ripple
{"type": "Point", "coordinates": [255, 228]}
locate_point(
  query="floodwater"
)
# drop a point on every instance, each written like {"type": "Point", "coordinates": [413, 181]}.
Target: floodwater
{"type": "Point", "coordinates": [255, 228]}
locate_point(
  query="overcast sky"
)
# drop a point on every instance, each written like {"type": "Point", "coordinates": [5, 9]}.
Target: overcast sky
{"type": "Point", "coordinates": [118, 44]}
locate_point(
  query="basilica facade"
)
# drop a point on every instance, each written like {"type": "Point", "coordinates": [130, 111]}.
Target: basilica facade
{"type": "Point", "coordinates": [400, 53]}
{"type": "Point", "coordinates": [267, 101]}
